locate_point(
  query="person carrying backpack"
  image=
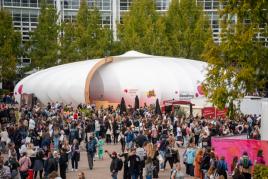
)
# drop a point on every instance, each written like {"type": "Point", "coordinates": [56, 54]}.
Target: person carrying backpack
{"type": "Point", "coordinates": [116, 164]}
{"type": "Point", "coordinates": [13, 164]}
{"type": "Point", "coordinates": [91, 150]}
{"type": "Point", "coordinates": [25, 164]}
{"type": "Point", "coordinates": [222, 167]}
{"type": "Point", "coordinates": [190, 156]}
{"type": "Point", "coordinates": [246, 163]}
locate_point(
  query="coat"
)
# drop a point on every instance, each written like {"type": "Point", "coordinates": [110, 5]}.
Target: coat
{"type": "Point", "coordinates": [197, 168]}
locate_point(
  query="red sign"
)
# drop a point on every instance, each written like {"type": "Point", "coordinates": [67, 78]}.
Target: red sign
{"type": "Point", "coordinates": [20, 89]}
{"type": "Point", "coordinates": [212, 112]}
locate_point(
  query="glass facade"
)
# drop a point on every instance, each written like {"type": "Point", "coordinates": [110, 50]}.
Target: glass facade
{"type": "Point", "coordinates": [25, 12]}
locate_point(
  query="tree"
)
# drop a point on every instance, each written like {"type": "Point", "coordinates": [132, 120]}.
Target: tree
{"type": "Point", "coordinates": [44, 45]}
{"type": "Point", "coordinates": [85, 38]}
{"type": "Point", "coordinates": [238, 65]}
{"type": "Point", "coordinates": [9, 47]}
{"type": "Point", "coordinates": [187, 29]}
{"type": "Point", "coordinates": [143, 29]}
{"type": "Point", "coordinates": [68, 47]}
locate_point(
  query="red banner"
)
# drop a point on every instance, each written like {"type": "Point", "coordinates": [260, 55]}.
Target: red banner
{"type": "Point", "coordinates": [211, 112]}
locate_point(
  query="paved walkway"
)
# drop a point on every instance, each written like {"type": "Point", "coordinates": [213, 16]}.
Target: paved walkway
{"type": "Point", "coordinates": [101, 168]}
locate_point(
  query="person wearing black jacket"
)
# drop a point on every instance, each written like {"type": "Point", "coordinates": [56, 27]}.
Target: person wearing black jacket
{"type": "Point", "coordinates": [63, 163]}
{"type": "Point", "coordinates": [205, 162]}
{"type": "Point", "coordinates": [51, 164]}
{"type": "Point", "coordinates": [115, 131]}
{"type": "Point", "coordinates": [141, 139]}
{"type": "Point", "coordinates": [126, 174]}
{"type": "Point", "coordinates": [133, 163]}
{"type": "Point", "coordinates": [114, 164]}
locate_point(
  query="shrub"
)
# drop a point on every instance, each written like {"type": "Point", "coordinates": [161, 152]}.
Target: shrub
{"type": "Point", "coordinates": [260, 171]}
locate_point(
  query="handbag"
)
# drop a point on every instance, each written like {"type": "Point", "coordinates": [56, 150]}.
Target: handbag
{"type": "Point", "coordinates": [168, 153]}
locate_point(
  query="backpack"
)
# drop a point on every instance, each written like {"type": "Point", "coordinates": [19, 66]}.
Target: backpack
{"type": "Point", "coordinates": [91, 146]}
{"type": "Point", "coordinates": [245, 162]}
{"type": "Point", "coordinates": [221, 169]}
{"type": "Point", "coordinates": [119, 164]}
{"type": "Point", "coordinates": [190, 155]}
{"type": "Point", "coordinates": [205, 163]}
{"type": "Point", "coordinates": [130, 136]}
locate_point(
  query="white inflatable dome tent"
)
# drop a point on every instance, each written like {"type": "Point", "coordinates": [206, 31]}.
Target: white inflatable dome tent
{"type": "Point", "coordinates": [110, 79]}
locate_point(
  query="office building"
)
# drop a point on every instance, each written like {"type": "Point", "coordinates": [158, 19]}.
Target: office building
{"type": "Point", "coordinates": [25, 13]}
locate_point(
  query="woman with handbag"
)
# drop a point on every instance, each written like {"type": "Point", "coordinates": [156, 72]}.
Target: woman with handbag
{"type": "Point", "coordinates": [25, 164]}
{"type": "Point", "coordinates": [75, 155]}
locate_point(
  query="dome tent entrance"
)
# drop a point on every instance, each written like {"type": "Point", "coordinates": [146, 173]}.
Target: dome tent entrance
{"type": "Point", "coordinates": [109, 79]}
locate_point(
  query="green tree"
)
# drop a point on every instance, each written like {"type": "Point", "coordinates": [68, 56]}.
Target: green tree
{"type": "Point", "coordinates": [44, 45]}
{"type": "Point", "coordinates": [187, 29]}
{"type": "Point", "coordinates": [238, 65]}
{"type": "Point", "coordinates": [143, 29]}
{"type": "Point", "coordinates": [9, 47]}
{"type": "Point", "coordinates": [68, 49]}
{"type": "Point", "coordinates": [86, 38]}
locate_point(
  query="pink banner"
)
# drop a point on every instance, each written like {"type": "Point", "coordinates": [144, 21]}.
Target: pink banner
{"type": "Point", "coordinates": [229, 147]}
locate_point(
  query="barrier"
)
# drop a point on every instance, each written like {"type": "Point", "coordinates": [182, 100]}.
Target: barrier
{"type": "Point", "coordinates": [229, 147]}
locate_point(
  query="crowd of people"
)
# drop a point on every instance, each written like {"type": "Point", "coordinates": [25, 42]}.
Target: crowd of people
{"type": "Point", "coordinates": [45, 139]}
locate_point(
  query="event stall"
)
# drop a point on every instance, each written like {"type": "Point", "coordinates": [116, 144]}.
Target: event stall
{"type": "Point", "coordinates": [111, 78]}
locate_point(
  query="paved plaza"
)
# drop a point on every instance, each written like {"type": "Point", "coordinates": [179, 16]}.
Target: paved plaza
{"type": "Point", "coordinates": [101, 168]}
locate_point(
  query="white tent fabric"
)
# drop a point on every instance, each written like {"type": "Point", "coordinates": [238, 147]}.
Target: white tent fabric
{"type": "Point", "coordinates": [127, 75]}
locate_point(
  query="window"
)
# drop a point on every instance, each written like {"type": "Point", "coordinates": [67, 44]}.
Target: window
{"type": "Point", "coordinates": [7, 2]}
{"type": "Point", "coordinates": [125, 4]}
{"type": "Point", "coordinates": [106, 5]}
{"type": "Point", "coordinates": [208, 5]}
{"type": "Point", "coordinates": [16, 17]}
{"type": "Point", "coordinates": [26, 60]}
{"type": "Point", "coordinates": [25, 3]}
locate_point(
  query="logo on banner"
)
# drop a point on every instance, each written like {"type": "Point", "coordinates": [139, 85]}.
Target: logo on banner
{"type": "Point", "coordinates": [184, 95]}
{"type": "Point", "coordinates": [200, 91]}
{"type": "Point", "coordinates": [151, 93]}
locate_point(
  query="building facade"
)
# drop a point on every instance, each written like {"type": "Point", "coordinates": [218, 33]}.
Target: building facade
{"type": "Point", "coordinates": [25, 13]}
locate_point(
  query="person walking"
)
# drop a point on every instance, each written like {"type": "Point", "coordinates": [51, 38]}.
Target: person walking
{"type": "Point", "coordinates": [177, 173]}
{"type": "Point", "coordinates": [39, 164]}
{"type": "Point", "coordinates": [197, 163]}
{"type": "Point", "coordinates": [141, 153]}
{"type": "Point", "coordinates": [91, 150]}
{"type": "Point", "coordinates": [100, 148]}
{"type": "Point", "coordinates": [190, 156]}
{"type": "Point", "coordinates": [260, 158]}
{"type": "Point", "coordinates": [63, 160]}
{"type": "Point", "coordinates": [5, 171]}
{"type": "Point", "coordinates": [222, 167]}
{"type": "Point", "coordinates": [246, 163]}
{"type": "Point", "coordinates": [25, 164]}
{"type": "Point", "coordinates": [75, 155]}
{"type": "Point", "coordinates": [50, 164]}
{"type": "Point", "coordinates": [116, 164]}
{"type": "Point", "coordinates": [122, 141]}
{"type": "Point", "coordinates": [149, 168]}
{"type": "Point", "coordinates": [13, 164]}
{"type": "Point", "coordinates": [134, 167]}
